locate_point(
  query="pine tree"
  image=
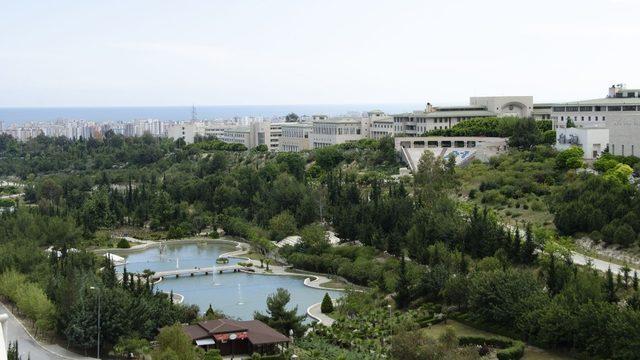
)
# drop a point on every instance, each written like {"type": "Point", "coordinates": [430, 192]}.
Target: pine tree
{"type": "Point", "coordinates": [402, 287]}
{"type": "Point", "coordinates": [635, 280]}
{"type": "Point", "coordinates": [626, 270]}
{"type": "Point", "coordinates": [125, 278]}
{"type": "Point", "coordinates": [464, 264]}
{"type": "Point", "coordinates": [171, 296]}
{"type": "Point", "coordinates": [552, 276]}
{"type": "Point", "coordinates": [610, 288]}
{"type": "Point", "coordinates": [326, 307]}
{"type": "Point", "coordinates": [529, 250]}
{"type": "Point", "coordinates": [515, 250]}
{"type": "Point", "coordinates": [619, 283]}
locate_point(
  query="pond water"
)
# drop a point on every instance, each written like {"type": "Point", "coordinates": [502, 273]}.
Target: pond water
{"type": "Point", "coordinates": [238, 295]}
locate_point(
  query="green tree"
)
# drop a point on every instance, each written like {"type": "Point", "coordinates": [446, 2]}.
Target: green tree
{"type": "Point", "coordinates": [314, 239]}
{"type": "Point", "coordinates": [173, 340]}
{"type": "Point", "coordinates": [570, 158]}
{"type": "Point", "coordinates": [403, 293]}
{"type": "Point", "coordinates": [278, 317]}
{"type": "Point", "coordinates": [326, 307]}
{"type": "Point", "coordinates": [282, 225]}
{"type": "Point", "coordinates": [529, 249]}
{"type": "Point", "coordinates": [525, 134]}
{"type": "Point", "coordinates": [610, 287]}
{"type": "Point", "coordinates": [291, 117]}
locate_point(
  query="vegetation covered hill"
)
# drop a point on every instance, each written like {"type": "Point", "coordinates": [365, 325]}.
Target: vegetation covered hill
{"type": "Point", "coordinates": [414, 240]}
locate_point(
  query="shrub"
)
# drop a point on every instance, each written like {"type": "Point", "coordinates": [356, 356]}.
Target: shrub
{"type": "Point", "coordinates": [514, 352]}
{"type": "Point", "coordinates": [123, 244]}
{"type": "Point", "coordinates": [327, 305]}
{"type": "Point", "coordinates": [472, 194]}
{"type": "Point", "coordinates": [510, 349]}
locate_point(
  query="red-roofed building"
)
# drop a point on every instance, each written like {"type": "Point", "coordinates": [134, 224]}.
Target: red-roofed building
{"type": "Point", "coordinates": [250, 336]}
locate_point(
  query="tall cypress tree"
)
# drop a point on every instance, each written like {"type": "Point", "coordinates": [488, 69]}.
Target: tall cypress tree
{"type": "Point", "coordinates": [553, 284]}
{"type": "Point", "coordinates": [635, 280]}
{"type": "Point", "coordinates": [515, 250]}
{"type": "Point", "coordinates": [529, 250]}
{"type": "Point", "coordinates": [403, 296]}
{"type": "Point", "coordinates": [610, 287]}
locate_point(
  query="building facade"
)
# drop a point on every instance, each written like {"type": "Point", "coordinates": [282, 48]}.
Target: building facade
{"type": "Point", "coordinates": [295, 137]}
{"type": "Point", "coordinates": [619, 112]}
{"type": "Point", "coordinates": [332, 131]}
{"type": "Point", "coordinates": [593, 141]}
{"type": "Point", "coordinates": [444, 117]}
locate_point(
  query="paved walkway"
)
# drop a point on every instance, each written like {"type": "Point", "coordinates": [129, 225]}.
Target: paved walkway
{"type": "Point", "coordinates": [31, 348]}
{"type": "Point", "coordinates": [314, 312]}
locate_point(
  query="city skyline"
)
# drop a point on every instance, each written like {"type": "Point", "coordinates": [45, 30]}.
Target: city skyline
{"type": "Point", "coordinates": [160, 53]}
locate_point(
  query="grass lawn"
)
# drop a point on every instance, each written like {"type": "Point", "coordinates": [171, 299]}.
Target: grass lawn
{"type": "Point", "coordinates": [334, 284]}
{"type": "Point", "coordinates": [531, 352]}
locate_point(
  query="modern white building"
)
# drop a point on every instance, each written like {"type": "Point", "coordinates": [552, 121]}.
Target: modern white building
{"type": "Point", "coordinates": [619, 112]}
{"type": "Point", "coordinates": [444, 117]}
{"type": "Point", "coordinates": [378, 125]}
{"type": "Point", "coordinates": [295, 137]}
{"type": "Point", "coordinates": [593, 141]}
{"type": "Point", "coordinates": [332, 131]}
{"type": "Point", "coordinates": [237, 135]}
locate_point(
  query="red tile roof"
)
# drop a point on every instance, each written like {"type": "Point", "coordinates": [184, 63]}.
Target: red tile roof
{"type": "Point", "coordinates": [258, 332]}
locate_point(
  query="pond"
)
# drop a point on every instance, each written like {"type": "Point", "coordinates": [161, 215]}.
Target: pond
{"type": "Point", "coordinates": [237, 295]}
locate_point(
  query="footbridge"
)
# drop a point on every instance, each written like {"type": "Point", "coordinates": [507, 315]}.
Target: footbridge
{"type": "Point", "coordinates": [200, 271]}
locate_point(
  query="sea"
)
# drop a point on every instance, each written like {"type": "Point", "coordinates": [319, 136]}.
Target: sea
{"type": "Point", "coordinates": [9, 115]}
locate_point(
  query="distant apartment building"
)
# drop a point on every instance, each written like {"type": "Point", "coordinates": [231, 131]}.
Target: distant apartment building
{"type": "Point", "coordinates": [296, 136]}
{"type": "Point", "coordinates": [185, 131]}
{"type": "Point", "coordinates": [619, 111]}
{"type": "Point", "coordinates": [444, 117]}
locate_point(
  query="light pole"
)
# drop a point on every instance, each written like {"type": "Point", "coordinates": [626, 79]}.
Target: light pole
{"type": "Point", "coordinates": [3, 336]}
{"type": "Point", "coordinates": [98, 291]}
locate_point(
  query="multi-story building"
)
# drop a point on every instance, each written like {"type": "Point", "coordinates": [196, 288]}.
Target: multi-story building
{"type": "Point", "coordinates": [619, 112]}
{"type": "Point", "coordinates": [378, 125]}
{"type": "Point", "coordinates": [295, 136]}
{"type": "Point", "coordinates": [237, 135]}
{"type": "Point", "coordinates": [332, 131]}
{"type": "Point", "coordinates": [444, 117]}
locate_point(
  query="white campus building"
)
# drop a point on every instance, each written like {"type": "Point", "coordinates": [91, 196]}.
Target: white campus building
{"type": "Point", "coordinates": [332, 131]}
{"type": "Point", "coordinates": [295, 136]}
{"type": "Point", "coordinates": [444, 117]}
{"type": "Point", "coordinates": [593, 141]}
{"type": "Point", "coordinates": [619, 112]}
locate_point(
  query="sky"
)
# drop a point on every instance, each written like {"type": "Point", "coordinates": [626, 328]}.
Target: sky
{"type": "Point", "coordinates": [257, 52]}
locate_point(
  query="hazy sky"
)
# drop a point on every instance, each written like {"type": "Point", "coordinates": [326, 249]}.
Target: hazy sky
{"type": "Point", "coordinates": [210, 52]}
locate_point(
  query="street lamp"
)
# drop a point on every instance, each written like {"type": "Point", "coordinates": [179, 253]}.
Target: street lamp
{"type": "Point", "coordinates": [232, 337]}
{"type": "Point", "coordinates": [98, 290]}
{"type": "Point", "coordinates": [3, 336]}
{"type": "Point", "coordinates": [389, 307]}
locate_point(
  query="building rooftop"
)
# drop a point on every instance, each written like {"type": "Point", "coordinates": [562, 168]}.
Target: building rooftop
{"type": "Point", "coordinates": [256, 331]}
{"type": "Point", "coordinates": [459, 113]}
{"type": "Point", "coordinates": [338, 120]}
{"type": "Point", "coordinates": [604, 101]}
{"type": "Point", "coordinates": [298, 124]}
